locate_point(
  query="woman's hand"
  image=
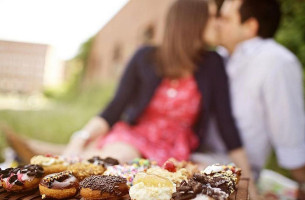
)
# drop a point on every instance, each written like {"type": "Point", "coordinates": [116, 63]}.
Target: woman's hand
{"type": "Point", "coordinates": [97, 126]}
{"type": "Point", "coordinates": [75, 147]}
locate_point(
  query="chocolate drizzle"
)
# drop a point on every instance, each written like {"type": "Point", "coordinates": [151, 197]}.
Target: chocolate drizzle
{"type": "Point", "coordinates": [109, 184]}
{"type": "Point", "coordinates": [5, 173]}
{"type": "Point", "coordinates": [104, 162]}
{"type": "Point", "coordinates": [14, 180]}
{"type": "Point", "coordinates": [60, 180]}
{"type": "Point", "coordinates": [32, 170]}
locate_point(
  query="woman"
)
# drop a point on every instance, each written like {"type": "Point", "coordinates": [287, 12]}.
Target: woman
{"type": "Point", "coordinates": [163, 93]}
{"type": "Point", "coordinates": [166, 95]}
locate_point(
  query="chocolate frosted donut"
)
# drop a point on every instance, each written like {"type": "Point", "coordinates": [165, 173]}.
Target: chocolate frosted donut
{"type": "Point", "coordinates": [96, 160]}
{"type": "Point", "coordinates": [59, 186]}
{"type": "Point", "coordinates": [22, 178]}
{"type": "Point", "coordinates": [103, 187]}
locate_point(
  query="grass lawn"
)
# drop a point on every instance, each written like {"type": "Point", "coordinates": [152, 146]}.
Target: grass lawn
{"type": "Point", "coordinates": [58, 121]}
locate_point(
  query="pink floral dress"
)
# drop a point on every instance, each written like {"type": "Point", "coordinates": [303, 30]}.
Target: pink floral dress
{"type": "Point", "coordinates": [164, 130]}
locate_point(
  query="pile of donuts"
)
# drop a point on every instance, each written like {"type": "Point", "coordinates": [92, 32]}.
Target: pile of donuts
{"type": "Point", "coordinates": [106, 178]}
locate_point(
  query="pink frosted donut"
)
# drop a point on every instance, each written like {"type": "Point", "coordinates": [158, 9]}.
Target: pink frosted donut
{"type": "Point", "coordinates": [21, 179]}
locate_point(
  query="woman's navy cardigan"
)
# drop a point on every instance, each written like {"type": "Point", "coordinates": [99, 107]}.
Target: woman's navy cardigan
{"type": "Point", "coordinates": [140, 80]}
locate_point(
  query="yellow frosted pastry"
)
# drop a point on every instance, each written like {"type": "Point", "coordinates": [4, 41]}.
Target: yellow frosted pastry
{"type": "Point", "coordinates": [151, 187]}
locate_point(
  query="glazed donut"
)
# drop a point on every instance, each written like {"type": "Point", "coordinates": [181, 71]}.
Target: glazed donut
{"type": "Point", "coordinates": [103, 187]}
{"type": "Point", "coordinates": [21, 179]}
{"type": "Point", "coordinates": [96, 160]}
{"type": "Point", "coordinates": [59, 186]}
{"type": "Point", "coordinates": [83, 170]}
{"type": "Point", "coordinates": [51, 164]}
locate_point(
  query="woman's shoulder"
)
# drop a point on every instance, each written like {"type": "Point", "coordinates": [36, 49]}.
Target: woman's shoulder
{"type": "Point", "coordinates": [145, 50]}
{"type": "Point", "coordinates": [145, 60]}
{"type": "Point", "coordinates": [210, 61]}
{"type": "Point", "coordinates": [208, 57]}
{"type": "Point", "coordinates": [144, 55]}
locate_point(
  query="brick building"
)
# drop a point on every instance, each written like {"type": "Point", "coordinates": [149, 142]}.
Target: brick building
{"type": "Point", "coordinates": [139, 22]}
{"type": "Point", "coordinates": [27, 67]}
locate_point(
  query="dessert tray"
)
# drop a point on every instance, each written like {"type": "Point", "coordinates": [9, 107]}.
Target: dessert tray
{"type": "Point", "coordinates": [240, 194]}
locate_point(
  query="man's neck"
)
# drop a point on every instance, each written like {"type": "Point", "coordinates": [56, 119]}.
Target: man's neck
{"type": "Point", "coordinates": [244, 43]}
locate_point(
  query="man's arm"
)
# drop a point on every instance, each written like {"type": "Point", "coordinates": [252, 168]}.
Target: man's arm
{"type": "Point", "coordinates": [298, 174]}
{"type": "Point", "coordinates": [282, 94]}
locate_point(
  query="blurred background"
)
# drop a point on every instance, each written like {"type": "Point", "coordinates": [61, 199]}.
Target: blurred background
{"type": "Point", "coordinates": [60, 59]}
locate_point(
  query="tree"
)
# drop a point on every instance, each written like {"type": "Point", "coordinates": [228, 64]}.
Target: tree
{"type": "Point", "coordinates": [292, 31]}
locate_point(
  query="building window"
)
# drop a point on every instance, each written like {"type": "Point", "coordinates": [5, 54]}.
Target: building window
{"type": "Point", "coordinates": [149, 34]}
{"type": "Point", "coordinates": [117, 53]}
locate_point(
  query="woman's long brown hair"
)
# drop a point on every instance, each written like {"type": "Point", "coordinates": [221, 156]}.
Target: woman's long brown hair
{"type": "Point", "coordinates": [182, 40]}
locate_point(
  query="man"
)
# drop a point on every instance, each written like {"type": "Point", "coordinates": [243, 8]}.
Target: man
{"type": "Point", "coordinates": [266, 85]}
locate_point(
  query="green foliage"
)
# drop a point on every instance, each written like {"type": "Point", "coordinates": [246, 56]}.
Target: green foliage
{"type": "Point", "coordinates": [83, 55]}
{"type": "Point", "coordinates": [71, 87]}
{"type": "Point", "coordinates": [292, 31]}
{"type": "Point", "coordinates": [76, 69]}
{"type": "Point", "coordinates": [84, 51]}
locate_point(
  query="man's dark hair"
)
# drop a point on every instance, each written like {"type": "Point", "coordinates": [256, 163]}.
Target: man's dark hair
{"type": "Point", "coordinates": [266, 12]}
